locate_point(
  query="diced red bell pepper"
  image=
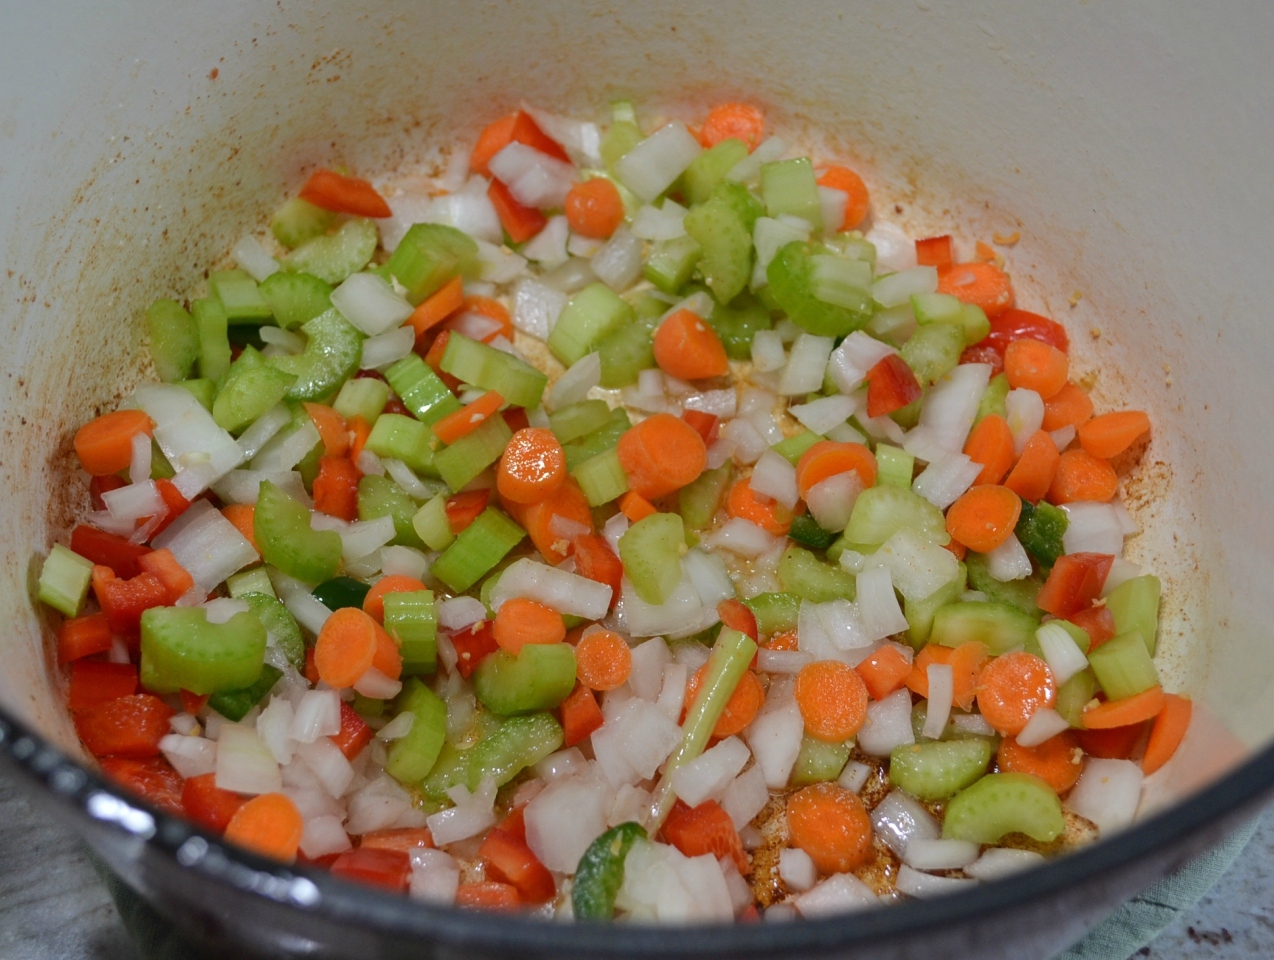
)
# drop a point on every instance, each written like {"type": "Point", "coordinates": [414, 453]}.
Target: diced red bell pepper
{"type": "Point", "coordinates": [891, 385]}
{"type": "Point", "coordinates": [981, 354]}
{"type": "Point", "coordinates": [108, 550]}
{"type": "Point", "coordinates": [94, 682]}
{"type": "Point", "coordinates": [736, 615]}
{"type": "Point", "coordinates": [175, 578]}
{"type": "Point", "coordinates": [514, 823]}
{"type": "Point", "coordinates": [124, 601]}
{"type": "Point", "coordinates": [104, 484]}
{"type": "Point", "coordinates": [934, 251]}
{"type": "Point", "coordinates": [517, 127]}
{"type": "Point", "coordinates": [516, 418]}
{"type": "Point", "coordinates": [488, 895]}
{"type": "Point", "coordinates": [463, 508]}
{"type": "Point", "coordinates": [192, 703]}
{"type": "Point", "coordinates": [406, 839]}
{"type": "Point", "coordinates": [1075, 582]}
{"type": "Point", "coordinates": [510, 860]}
{"type": "Point", "coordinates": [152, 779]}
{"type": "Point", "coordinates": [473, 645]}
{"type": "Point", "coordinates": [130, 726]}
{"type": "Point", "coordinates": [580, 715]}
{"type": "Point", "coordinates": [174, 500]}
{"type": "Point", "coordinates": [519, 222]}
{"type": "Point", "coordinates": [207, 804]}
{"type": "Point", "coordinates": [1014, 324]}
{"type": "Point", "coordinates": [336, 488]}
{"type": "Point", "coordinates": [1098, 622]}
{"type": "Point", "coordinates": [595, 560]}
{"type": "Point", "coordinates": [355, 733]}
{"type": "Point", "coordinates": [434, 359]}
{"type": "Point", "coordinates": [377, 866]}
{"type": "Point", "coordinates": [706, 828]}
{"type": "Point", "coordinates": [311, 670]}
{"type": "Point", "coordinates": [83, 637]}
{"type": "Point", "coordinates": [706, 425]}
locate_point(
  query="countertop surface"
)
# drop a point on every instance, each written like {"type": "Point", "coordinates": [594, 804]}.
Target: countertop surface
{"type": "Point", "coordinates": [54, 907]}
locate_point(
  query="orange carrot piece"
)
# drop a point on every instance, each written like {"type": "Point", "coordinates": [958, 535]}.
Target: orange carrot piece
{"type": "Point", "coordinates": [1033, 474]}
{"type": "Point", "coordinates": [520, 621]}
{"type": "Point", "coordinates": [517, 127]}
{"type": "Point", "coordinates": [831, 824]}
{"type": "Point", "coordinates": [966, 662]}
{"type": "Point", "coordinates": [243, 516]}
{"type": "Point", "coordinates": [687, 348]}
{"type": "Point", "coordinates": [521, 223]}
{"type": "Point", "coordinates": [490, 307]}
{"type": "Point", "coordinates": [832, 699]}
{"type": "Point", "coordinates": [1126, 712]}
{"type": "Point", "coordinates": [984, 517]}
{"type": "Point", "coordinates": [269, 825]}
{"type": "Point", "coordinates": [789, 640]}
{"type": "Point", "coordinates": [1038, 366]}
{"type": "Point", "coordinates": [331, 427]}
{"type": "Point", "coordinates": [1058, 761]}
{"type": "Point", "coordinates": [1069, 407]}
{"type": "Point", "coordinates": [733, 121]}
{"type": "Point", "coordinates": [580, 715]}
{"type": "Point", "coordinates": [532, 466]}
{"type": "Point", "coordinates": [991, 444]}
{"type": "Point", "coordinates": [438, 306]}
{"type": "Point", "coordinates": [387, 658]}
{"type": "Point", "coordinates": [374, 602]}
{"type": "Point", "coordinates": [359, 430]}
{"type": "Point", "coordinates": [770, 515]}
{"type": "Point", "coordinates": [333, 191]}
{"type": "Point", "coordinates": [105, 444]}
{"type": "Point", "coordinates": [827, 458]}
{"type": "Point", "coordinates": [635, 507]}
{"type": "Point", "coordinates": [406, 839]}
{"type": "Point", "coordinates": [885, 671]}
{"type": "Point", "coordinates": [1167, 732]}
{"type": "Point", "coordinates": [661, 454]}
{"type": "Point", "coordinates": [1012, 687]}
{"type": "Point", "coordinates": [594, 208]}
{"type": "Point", "coordinates": [602, 660]}
{"type": "Point", "coordinates": [934, 252]}
{"type": "Point", "coordinates": [567, 502]}
{"type": "Point", "coordinates": [336, 488]}
{"type": "Point", "coordinates": [468, 418]}
{"type": "Point", "coordinates": [1081, 476]}
{"type": "Point", "coordinates": [980, 284]}
{"type": "Point", "coordinates": [345, 647]}
{"type": "Point", "coordinates": [857, 200]}
{"type": "Point", "coordinates": [745, 703]}
{"type": "Point", "coordinates": [1112, 433]}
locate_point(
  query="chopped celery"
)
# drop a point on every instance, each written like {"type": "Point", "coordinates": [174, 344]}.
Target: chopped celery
{"type": "Point", "coordinates": [880, 512]}
{"type": "Point", "coordinates": [894, 466]}
{"type": "Point", "coordinates": [699, 500]}
{"type": "Point", "coordinates": [601, 478]}
{"type": "Point", "coordinates": [472, 453]}
{"type": "Point", "coordinates": [282, 531]}
{"type": "Point", "coordinates": [64, 580]}
{"type": "Point", "coordinates": [332, 352]}
{"type": "Point", "coordinates": [737, 322]}
{"type": "Point", "coordinates": [368, 706]}
{"type": "Point", "coordinates": [174, 340]}
{"type": "Point", "coordinates": [791, 284]}
{"type": "Point", "coordinates": [334, 257]}
{"type": "Point", "coordinates": [893, 325]}
{"type": "Point", "coordinates": [774, 612]}
{"type": "Point", "coordinates": [578, 419]}
{"type": "Point", "coordinates": [431, 524]}
{"type": "Point", "coordinates": [944, 308]}
{"type": "Point", "coordinates": [588, 318]}
{"type": "Point", "coordinates": [421, 390]}
{"type": "Point", "coordinates": [601, 870]}
{"type": "Point", "coordinates": [381, 497]}
{"type": "Point", "coordinates": [709, 169]}
{"type": "Point", "coordinates": [920, 613]}
{"type": "Point", "coordinates": [992, 401]}
{"type": "Point", "coordinates": [429, 255]}
{"type": "Point", "coordinates": [599, 441]}
{"type": "Point", "coordinates": [789, 186]}
{"type": "Point", "coordinates": [1135, 606]}
{"type": "Point", "coordinates": [251, 387]}
{"type": "Point", "coordinates": [621, 136]}
{"type": "Point", "coordinates": [908, 416]}
{"type": "Point", "coordinates": [411, 619]}
{"type": "Point", "coordinates": [540, 677]}
{"type": "Point", "coordinates": [722, 226]}
{"type": "Point", "coordinates": [239, 295]}
{"type": "Point", "coordinates": [842, 281]}
{"type": "Point", "coordinates": [1001, 627]}
{"type": "Point", "coordinates": [1040, 529]}
{"type": "Point", "coordinates": [1003, 803]}
{"type": "Point", "coordinates": [672, 263]}
{"type": "Point", "coordinates": [363, 397]}
{"type": "Point", "coordinates": [626, 352]}
{"type": "Point", "coordinates": [933, 351]}
{"type": "Point", "coordinates": [281, 627]}
{"type": "Point", "coordinates": [341, 592]}
{"type": "Point", "coordinates": [651, 553]}
{"type": "Point", "coordinates": [508, 749]}
{"type": "Point", "coordinates": [802, 573]}
{"type": "Point", "coordinates": [1019, 594]}
{"type": "Point", "coordinates": [819, 761]}
{"type": "Point", "coordinates": [411, 757]}
{"type": "Point", "coordinates": [1078, 634]}
{"type": "Point", "coordinates": [482, 366]}
{"type": "Point", "coordinates": [976, 325]}
{"type": "Point", "coordinates": [255, 580]}
{"type": "Point", "coordinates": [806, 531]}
{"type": "Point", "coordinates": [793, 447]}
{"type": "Point", "coordinates": [181, 650]}
{"type": "Point", "coordinates": [402, 438]}
{"type": "Point", "coordinates": [939, 768]}
{"type": "Point", "coordinates": [1074, 695]}
{"type": "Point", "coordinates": [203, 390]}
{"type": "Point", "coordinates": [295, 298]}
{"type": "Point", "coordinates": [478, 548]}
{"type": "Point", "coordinates": [298, 221]}
{"type": "Point", "coordinates": [214, 344]}
{"type": "Point", "coordinates": [234, 705]}
{"type": "Point", "coordinates": [1123, 666]}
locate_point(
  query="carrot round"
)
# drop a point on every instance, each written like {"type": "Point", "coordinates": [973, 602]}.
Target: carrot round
{"type": "Point", "coordinates": [1126, 712]}
{"type": "Point", "coordinates": [468, 418]}
{"type": "Point", "coordinates": [1035, 365]}
{"type": "Point", "coordinates": [345, 647]}
{"type": "Point", "coordinates": [602, 660]}
{"type": "Point", "coordinates": [788, 640]}
{"type": "Point", "coordinates": [661, 454]}
{"type": "Point", "coordinates": [1012, 687]}
{"type": "Point", "coordinates": [594, 208]}
{"type": "Point", "coordinates": [1112, 433]}
{"type": "Point", "coordinates": [374, 602]}
{"type": "Point", "coordinates": [733, 121]}
{"type": "Point", "coordinates": [1081, 476]}
{"type": "Point", "coordinates": [1058, 761]}
{"type": "Point", "coordinates": [984, 517]}
{"type": "Point", "coordinates": [1031, 477]}
{"type": "Point", "coordinates": [770, 515]}
{"type": "Point", "coordinates": [1069, 407]}
{"type": "Point", "coordinates": [269, 825]}
{"type": "Point", "coordinates": [105, 444]}
{"type": "Point", "coordinates": [333, 191]}
{"type": "Point", "coordinates": [438, 306]}
{"type": "Point", "coordinates": [689, 349]}
{"type": "Point", "coordinates": [966, 662]}
{"type": "Point", "coordinates": [831, 824]}
{"type": "Point", "coordinates": [980, 284]}
{"type": "Point", "coordinates": [832, 699]}
{"type": "Point", "coordinates": [851, 184]}
{"type": "Point", "coordinates": [991, 444]}
{"type": "Point", "coordinates": [745, 703]}
{"type": "Point", "coordinates": [387, 658]}
{"type": "Point", "coordinates": [827, 458]}
{"type": "Point", "coordinates": [885, 671]}
{"type": "Point", "coordinates": [532, 466]}
{"type": "Point", "coordinates": [568, 502]}
{"type": "Point", "coordinates": [520, 621]}
{"type": "Point", "coordinates": [331, 427]}
{"type": "Point", "coordinates": [1167, 732]}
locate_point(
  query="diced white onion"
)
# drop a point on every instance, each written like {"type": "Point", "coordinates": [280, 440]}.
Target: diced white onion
{"type": "Point", "coordinates": [854, 776]}
{"type": "Point", "coordinates": [244, 486]}
{"type": "Point", "coordinates": [895, 250]}
{"type": "Point", "coordinates": [618, 263]}
{"type": "Point", "coordinates": [797, 870]}
{"type": "Point", "coordinates": [888, 725]}
{"type": "Point", "coordinates": [998, 862]}
{"type": "Point", "coordinates": [1121, 571]}
{"type": "Point", "coordinates": [1009, 561]}
{"type": "Point", "coordinates": [878, 604]}
{"type": "Point", "coordinates": [245, 763]}
{"type": "Point", "coordinates": [471, 815]}
{"type": "Point", "coordinates": [386, 348]}
{"type": "Point", "coordinates": [951, 404]}
{"type": "Point", "coordinates": [918, 568]}
{"type": "Point", "coordinates": [574, 385]}
{"type": "Point", "coordinates": [749, 168]}
{"type": "Point", "coordinates": [824, 413]}
{"type": "Point", "coordinates": [324, 835]}
{"type": "Point", "coordinates": [767, 351]}
{"type": "Point", "coordinates": [719, 403]}
{"type": "Point", "coordinates": [648, 661]}
{"type": "Point", "coordinates": [458, 613]}
{"type": "Point", "coordinates": [1045, 723]}
{"type": "Point", "coordinates": [139, 462]}
{"type": "Point", "coordinates": [365, 536]}
{"type": "Point", "coordinates": [769, 236]}
{"type": "Point", "coordinates": [567, 593]}
{"type": "Point", "coordinates": [775, 477]}
{"type": "Point", "coordinates": [435, 877]}
{"type": "Point", "coordinates": [941, 690]}
{"type": "Point", "coordinates": [839, 893]}
{"type": "Point", "coordinates": [1092, 528]}
{"type": "Point", "coordinates": [775, 737]}
{"type": "Point", "coordinates": [832, 203]}
{"type": "Point", "coordinates": [263, 429]}
{"type": "Point", "coordinates": [707, 776]}
{"type": "Point", "coordinates": [284, 341]}
{"type": "Point", "coordinates": [368, 302]}
{"type": "Point", "coordinates": [744, 440]}
{"type": "Point", "coordinates": [660, 223]}
{"type": "Point", "coordinates": [564, 818]}
{"type": "Point", "coordinates": [831, 501]}
{"type": "Point", "coordinates": [900, 819]}
{"type": "Point", "coordinates": [1024, 411]}
{"type": "Point", "coordinates": [253, 259]}
{"type": "Point", "coordinates": [945, 479]}
{"type": "Point", "coordinates": [301, 603]}
{"type": "Point", "coordinates": [914, 883]}
{"type": "Point", "coordinates": [188, 436]}
{"type": "Point", "coordinates": [1064, 657]}
{"type": "Point", "coordinates": [534, 178]}
{"type": "Point", "coordinates": [581, 139]}
{"type": "Point", "coordinates": [924, 854]}
{"type": "Point", "coordinates": [650, 168]}
{"type": "Point", "coordinates": [783, 661]}
{"type": "Point", "coordinates": [274, 726]}
{"type": "Point", "coordinates": [286, 449]}
{"type": "Point", "coordinates": [377, 686]}
{"type": "Point", "coordinates": [1107, 793]}
{"type": "Point", "coordinates": [317, 714]}
{"type": "Point", "coordinates": [208, 546]}
{"type": "Point", "coordinates": [898, 288]}
{"type": "Point", "coordinates": [856, 354]}
{"type": "Point", "coordinates": [130, 503]}
{"type": "Point", "coordinates": [972, 723]}
{"type": "Point", "coordinates": [1063, 436]}
{"type": "Point", "coordinates": [222, 609]}
{"type": "Point", "coordinates": [536, 307]}
{"type": "Point", "coordinates": [189, 756]}
{"type": "Point", "coordinates": [745, 796]}
{"type": "Point", "coordinates": [805, 365]}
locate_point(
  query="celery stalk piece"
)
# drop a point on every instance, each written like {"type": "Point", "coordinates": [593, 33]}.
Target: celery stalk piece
{"type": "Point", "coordinates": [731, 655]}
{"type": "Point", "coordinates": [429, 255]}
{"type": "Point", "coordinates": [203, 390]}
{"type": "Point", "coordinates": [588, 318]}
{"type": "Point", "coordinates": [737, 323]}
{"type": "Point", "coordinates": [472, 453]}
{"type": "Point", "coordinates": [819, 762]}
{"type": "Point", "coordinates": [403, 438]}
{"type": "Point", "coordinates": [1074, 695]}
{"type": "Point", "coordinates": [1123, 666]}
{"type": "Point", "coordinates": [920, 613]}
{"type": "Point", "coordinates": [1001, 627]}
{"type": "Point", "coordinates": [411, 757]}
{"type": "Point", "coordinates": [421, 390]}
{"type": "Point", "coordinates": [578, 419]}
{"type": "Point", "coordinates": [793, 447]}
{"type": "Point", "coordinates": [298, 221]}
{"type": "Point", "coordinates": [1003, 803]}
{"type": "Point", "coordinates": [234, 705]}
{"type": "Point", "coordinates": [599, 441]}
{"type": "Point", "coordinates": [1040, 528]}
{"type": "Point", "coordinates": [791, 276]}
{"type": "Point", "coordinates": [381, 497]}
{"type": "Point", "coordinates": [174, 340]}
{"type": "Point", "coordinates": [601, 872]}
{"type": "Point", "coordinates": [976, 325]}
{"type": "Point", "coordinates": [362, 397]}
{"type": "Point", "coordinates": [601, 478]}
{"type": "Point", "coordinates": [280, 626]}
{"type": "Point", "coordinates": [181, 650]}
{"type": "Point", "coordinates": [332, 352]}
{"type": "Point", "coordinates": [251, 387]}
{"type": "Point", "coordinates": [214, 343]}
{"type": "Point", "coordinates": [894, 466]}
{"type": "Point", "coordinates": [880, 512]}
{"type": "Point", "coordinates": [789, 186]}
{"type": "Point", "coordinates": [431, 524]}
{"type": "Point", "coordinates": [411, 619]}
{"type": "Point", "coordinates": [992, 401]}
{"type": "Point", "coordinates": [940, 768]}
{"type": "Point", "coordinates": [944, 308]}
{"type": "Point", "coordinates": [933, 351]}
{"type": "Point", "coordinates": [540, 677]}
{"type": "Point", "coordinates": [774, 612]}
{"type": "Point", "coordinates": [842, 282]}
{"type": "Point", "coordinates": [295, 298]}
{"type": "Point", "coordinates": [1019, 594]}
{"type": "Point", "coordinates": [626, 352]}
{"type": "Point", "coordinates": [620, 137]}
{"type": "Point", "coordinates": [482, 366]}
{"type": "Point", "coordinates": [651, 554]}
{"type": "Point", "coordinates": [699, 500]}
{"type": "Point", "coordinates": [672, 263]}
{"type": "Point", "coordinates": [239, 295]}
{"type": "Point", "coordinates": [255, 580]}
{"type": "Point", "coordinates": [478, 548]}
{"type": "Point", "coordinates": [802, 573]}
{"type": "Point", "coordinates": [64, 580]}
{"type": "Point", "coordinates": [709, 169]}
{"type": "Point", "coordinates": [1135, 606]}
{"type": "Point", "coordinates": [723, 228]}
{"type": "Point", "coordinates": [282, 531]}
{"type": "Point", "coordinates": [334, 257]}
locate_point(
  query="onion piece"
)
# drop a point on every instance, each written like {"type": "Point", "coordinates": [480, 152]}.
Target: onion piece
{"type": "Point", "coordinates": [775, 477]}
{"type": "Point", "coordinates": [707, 776]}
{"type": "Point", "coordinates": [832, 204]}
{"type": "Point", "coordinates": [364, 537]}
{"type": "Point", "coordinates": [1092, 528]}
{"type": "Point", "coordinates": [660, 223]}
{"type": "Point", "coordinates": [941, 690]}
{"type": "Point", "coordinates": [253, 259]}
{"type": "Point", "coordinates": [1045, 723]}
{"type": "Point", "coordinates": [745, 796]}
{"type": "Point", "coordinates": [573, 385]}
{"type": "Point", "coordinates": [285, 450]}
{"type": "Point", "coordinates": [898, 288]}
{"type": "Point", "coordinates": [369, 303]}
{"type": "Point", "coordinates": [317, 714]}
{"type": "Point", "coordinates": [1107, 793]}
{"type": "Point", "coordinates": [309, 611]}
{"type": "Point", "coordinates": [1009, 561]}
{"type": "Point", "coordinates": [797, 870]}
{"type": "Point", "coordinates": [208, 546]}
{"type": "Point", "coordinates": [1061, 652]}
{"type": "Point", "coordinates": [564, 818]}
{"type": "Point", "coordinates": [471, 815]}
{"type": "Point", "coordinates": [950, 405]}
{"type": "Point", "coordinates": [806, 364]}
{"type": "Point", "coordinates": [857, 353]}
{"type": "Point", "coordinates": [917, 567]}
{"type": "Point", "coordinates": [924, 854]}
{"type": "Point", "coordinates": [648, 661]}
{"type": "Point", "coordinates": [377, 686]}
{"type": "Point", "coordinates": [946, 478]}
{"type": "Point", "coordinates": [839, 893]}
{"type": "Point", "coordinates": [263, 429]}
{"type": "Point", "coordinates": [618, 263]}
{"type": "Point", "coordinates": [1024, 410]}
{"type": "Point", "coordinates": [855, 775]}
{"type": "Point", "coordinates": [719, 403]}
{"type": "Point", "coordinates": [769, 236]}
{"type": "Point", "coordinates": [548, 247]}
{"type": "Point", "coordinates": [459, 613]}
{"type": "Point", "coordinates": [783, 661]}
{"type": "Point", "coordinates": [831, 501]}
{"type": "Point", "coordinates": [1121, 571]}
{"type": "Point", "coordinates": [895, 250]}
{"type": "Point", "coordinates": [435, 877]}
{"type": "Point", "coordinates": [878, 604]}
{"type": "Point", "coordinates": [535, 179]}
{"type": "Point", "coordinates": [900, 819]}
{"type": "Point", "coordinates": [749, 168]}
{"type": "Point", "coordinates": [926, 885]}
{"type": "Point", "coordinates": [536, 308]}
{"type": "Point", "coordinates": [824, 413]}
{"type": "Point", "coordinates": [998, 862]}
{"type": "Point", "coordinates": [650, 168]}
{"type": "Point", "coordinates": [888, 725]}
{"type": "Point", "coordinates": [744, 440]}
{"type": "Point", "coordinates": [245, 763]}
{"type": "Point", "coordinates": [324, 835]}
{"type": "Point", "coordinates": [767, 351]}
{"type": "Point", "coordinates": [567, 593]}
{"type": "Point", "coordinates": [775, 736]}
{"type": "Point", "coordinates": [386, 348]}
{"type": "Point", "coordinates": [499, 264]}
{"type": "Point", "coordinates": [188, 436]}
{"type": "Point", "coordinates": [189, 756]}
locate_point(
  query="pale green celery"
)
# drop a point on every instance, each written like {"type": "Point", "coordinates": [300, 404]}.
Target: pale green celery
{"type": "Point", "coordinates": [64, 580]}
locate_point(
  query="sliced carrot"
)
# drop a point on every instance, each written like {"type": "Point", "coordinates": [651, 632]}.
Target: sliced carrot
{"type": "Point", "coordinates": [980, 284]}
{"type": "Point", "coordinates": [520, 621]}
{"type": "Point", "coordinates": [1032, 365]}
{"type": "Point", "coordinates": [788, 641]}
{"type": "Point", "coordinates": [984, 517]}
{"type": "Point", "coordinates": [687, 348]}
{"type": "Point", "coordinates": [1112, 433]}
{"type": "Point", "coordinates": [465, 507]}
{"type": "Point", "coordinates": [966, 662]}
{"type": "Point", "coordinates": [1168, 731]}
{"type": "Point", "coordinates": [594, 208]}
{"type": "Point", "coordinates": [567, 502]}
{"type": "Point", "coordinates": [885, 671]}
{"type": "Point", "coordinates": [956, 549]}
{"type": "Point", "coordinates": [105, 444]}
{"type": "Point", "coordinates": [827, 458]}
{"type": "Point", "coordinates": [935, 252]}
{"type": "Point", "coordinates": [661, 454]}
{"type": "Point", "coordinates": [706, 828]}
{"type": "Point", "coordinates": [831, 824]}
{"type": "Point", "coordinates": [595, 560]}
{"type": "Point", "coordinates": [736, 615]}
{"type": "Point", "coordinates": [733, 121]}
{"type": "Point", "coordinates": [387, 658]}
{"type": "Point", "coordinates": [1012, 687]}
{"type": "Point", "coordinates": [746, 504]}
{"type": "Point", "coordinates": [1081, 476]}
{"type": "Point", "coordinates": [1069, 407]}
{"type": "Point", "coordinates": [468, 418]}
{"type": "Point", "coordinates": [857, 200]}
{"type": "Point", "coordinates": [438, 306]}
{"type": "Point", "coordinates": [336, 488]}
{"type": "Point", "coordinates": [707, 425]}
{"type": "Point", "coordinates": [991, 444]}
{"type": "Point", "coordinates": [517, 127]}
{"type": "Point", "coordinates": [83, 637]}
{"type": "Point", "coordinates": [331, 427]}
{"type": "Point", "coordinates": [532, 466]}
{"type": "Point", "coordinates": [521, 223]}
{"type": "Point", "coordinates": [602, 660]}
{"type": "Point", "coordinates": [1058, 761]}
{"type": "Point", "coordinates": [345, 647]}
{"type": "Point", "coordinates": [374, 602]}
{"type": "Point", "coordinates": [745, 703]}
{"type": "Point", "coordinates": [635, 507]}
{"type": "Point", "coordinates": [1126, 712]}
{"type": "Point", "coordinates": [269, 825]}
{"type": "Point", "coordinates": [333, 191]}
{"type": "Point", "coordinates": [1034, 471]}
{"type": "Point", "coordinates": [175, 578]}
{"type": "Point", "coordinates": [493, 308]}
{"type": "Point", "coordinates": [359, 431]}
{"type": "Point", "coordinates": [243, 517]}
{"type": "Point", "coordinates": [580, 715]}
{"type": "Point", "coordinates": [832, 699]}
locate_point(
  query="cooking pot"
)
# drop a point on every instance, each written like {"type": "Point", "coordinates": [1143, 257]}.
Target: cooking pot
{"type": "Point", "coordinates": [1128, 143]}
